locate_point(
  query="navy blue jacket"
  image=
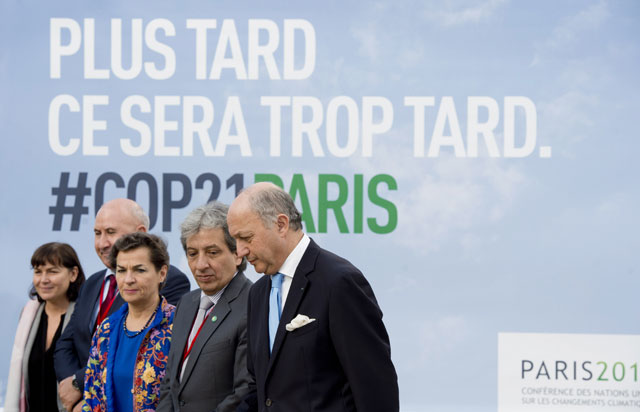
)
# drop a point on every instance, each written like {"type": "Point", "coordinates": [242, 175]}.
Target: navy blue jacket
{"type": "Point", "coordinates": [339, 362]}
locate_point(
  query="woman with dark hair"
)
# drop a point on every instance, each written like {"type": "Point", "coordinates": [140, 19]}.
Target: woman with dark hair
{"type": "Point", "coordinates": [129, 349]}
{"type": "Point", "coordinates": [57, 277]}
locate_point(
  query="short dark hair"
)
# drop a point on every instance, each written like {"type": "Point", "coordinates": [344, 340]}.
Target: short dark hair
{"type": "Point", "coordinates": [157, 248]}
{"type": "Point", "coordinates": [213, 215]}
{"type": "Point", "coordinates": [58, 254]}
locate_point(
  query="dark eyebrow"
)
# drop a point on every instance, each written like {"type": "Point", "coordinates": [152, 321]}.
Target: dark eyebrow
{"type": "Point", "coordinates": [139, 265]}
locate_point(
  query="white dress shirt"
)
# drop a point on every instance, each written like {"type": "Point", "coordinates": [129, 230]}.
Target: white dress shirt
{"type": "Point", "coordinates": [290, 265]}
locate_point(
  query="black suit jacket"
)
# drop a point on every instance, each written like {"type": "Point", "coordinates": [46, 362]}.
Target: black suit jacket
{"type": "Point", "coordinates": [339, 362]}
{"type": "Point", "coordinates": [216, 376]}
{"type": "Point", "coordinates": [72, 349]}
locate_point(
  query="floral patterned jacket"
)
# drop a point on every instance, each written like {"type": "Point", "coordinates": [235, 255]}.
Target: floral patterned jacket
{"type": "Point", "coordinates": [150, 363]}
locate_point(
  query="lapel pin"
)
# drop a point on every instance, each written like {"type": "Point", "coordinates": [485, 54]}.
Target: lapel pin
{"type": "Point", "coordinates": [214, 318]}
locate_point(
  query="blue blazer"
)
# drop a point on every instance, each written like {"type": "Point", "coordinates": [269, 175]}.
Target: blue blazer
{"type": "Point", "coordinates": [72, 349]}
{"type": "Point", "coordinates": [339, 362]}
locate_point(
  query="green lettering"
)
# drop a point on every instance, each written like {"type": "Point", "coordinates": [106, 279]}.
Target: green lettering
{"type": "Point", "coordinates": [269, 177]}
{"type": "Point", "coordinates": [358, 194]}
{"type": "Point", "coordinates": [391, 209]}
{"type": "Point", "coordinates": [298, 186]}
{"type": "Point", "coordinates": [324, 204]}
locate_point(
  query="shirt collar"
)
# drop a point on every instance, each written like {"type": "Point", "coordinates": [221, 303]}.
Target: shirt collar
{"type": "Point", "coordinates": [290, 265]}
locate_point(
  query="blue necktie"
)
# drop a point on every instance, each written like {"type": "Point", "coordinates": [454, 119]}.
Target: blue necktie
{"type": "Point", "coordinates": [274, 307]}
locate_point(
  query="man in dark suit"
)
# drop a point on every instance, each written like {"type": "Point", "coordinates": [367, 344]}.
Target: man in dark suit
{"type": "Point", "coordinates": [316, 341]}
{"type": "Point", "coordinates": [99, 297]}
{"type": "Point", "coordinates": [207, 367]}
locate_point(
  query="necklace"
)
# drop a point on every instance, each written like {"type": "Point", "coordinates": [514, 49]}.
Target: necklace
{"type": "Point", "coordinates": [146, 325]}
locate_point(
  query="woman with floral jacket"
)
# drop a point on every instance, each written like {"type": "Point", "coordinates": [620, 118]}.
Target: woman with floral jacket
{"type": "Point", "coordinates": [129, 349]}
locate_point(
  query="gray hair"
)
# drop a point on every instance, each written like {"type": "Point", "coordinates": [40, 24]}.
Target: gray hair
{"type": "Point", "coordinates": [213, 215]}
{"type": "Point", "coordinates": [268, 203]}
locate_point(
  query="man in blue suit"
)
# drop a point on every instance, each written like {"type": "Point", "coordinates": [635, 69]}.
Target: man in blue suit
{"type": "Point", "coordinates": [99, 297]}
{"type": "Point", "coordinates": [316, 341]}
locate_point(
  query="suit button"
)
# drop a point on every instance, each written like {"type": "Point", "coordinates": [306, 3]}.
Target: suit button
{"type": "Point", "coordinates": [181, 403]}
{"type": "Point", "coordinates": [268, 402]}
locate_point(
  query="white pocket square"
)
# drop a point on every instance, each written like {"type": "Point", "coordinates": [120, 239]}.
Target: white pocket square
{"type": "Point", "coordinates": [298, 322]}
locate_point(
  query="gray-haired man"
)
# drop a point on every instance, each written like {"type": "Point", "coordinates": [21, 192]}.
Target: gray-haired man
{"type": "Point", "coordinates": [207, 363]}
{"type": "Point", "coordinates": [316, 338]}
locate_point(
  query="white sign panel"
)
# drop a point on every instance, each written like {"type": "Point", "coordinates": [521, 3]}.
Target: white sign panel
{"type": "Point", "coordinates": [561, 372]}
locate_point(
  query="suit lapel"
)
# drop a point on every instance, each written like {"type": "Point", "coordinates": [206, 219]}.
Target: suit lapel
{"type": "Point", "coordinates": [94, 299]}
{"type": "Point", "coordinates": [181, 331]}
{"type": "Point", "coordinates": [298, 289]}
{"type": "Point", "coordinates": [220, 311]}
{"type": "Point", "coordinates": [262, 327]}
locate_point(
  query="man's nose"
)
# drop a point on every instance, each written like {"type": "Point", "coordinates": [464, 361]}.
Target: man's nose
{"type": "Point", "coordinates": [241, 249]}
{"type": "Point", "coordinates": [103, 242]}
{"type": "Point", "coordinates": [201, 262]}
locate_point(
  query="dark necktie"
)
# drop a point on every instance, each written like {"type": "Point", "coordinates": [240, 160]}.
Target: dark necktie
{"type": "Point", "coordinates": [108, 300]}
